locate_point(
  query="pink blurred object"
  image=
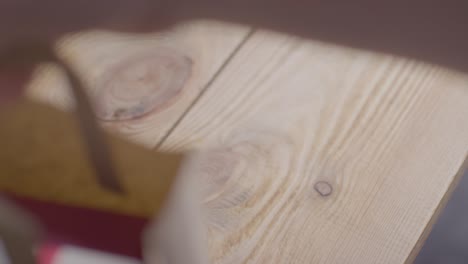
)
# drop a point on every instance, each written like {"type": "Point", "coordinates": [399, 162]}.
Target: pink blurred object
{"type": "Point", "coordinates": [51, 253]}
{"type": "Point", "coordinates": [46, 253]}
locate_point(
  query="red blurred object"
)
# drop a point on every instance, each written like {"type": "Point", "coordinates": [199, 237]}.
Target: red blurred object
{"type": "Point", "coordinates": [109, 232]}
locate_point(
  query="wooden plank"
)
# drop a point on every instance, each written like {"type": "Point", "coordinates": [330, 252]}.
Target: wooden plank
{"type": "Point", "coordinates": [142, 83]}
{"type": "Point", "coordinates": [43, 157]}
{"type": "Point", "coordinates": [319, 154]}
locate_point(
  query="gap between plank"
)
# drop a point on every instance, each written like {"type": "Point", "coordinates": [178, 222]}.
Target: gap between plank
{"type": "Point", "coordinates": [205, 88]}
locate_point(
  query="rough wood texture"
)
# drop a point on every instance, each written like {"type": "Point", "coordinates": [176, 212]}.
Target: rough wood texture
{"type": "Point", "coordinates": [312, 153]}
{"type": "Point", "coordinates": [43, 157]}
{"type": "Point", "coordinates": [321, 154]}
{"type": "Point", "coordinates": [141, 83]}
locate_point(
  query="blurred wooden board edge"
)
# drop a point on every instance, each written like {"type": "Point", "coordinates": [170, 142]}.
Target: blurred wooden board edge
{"type": "Point", "coordinates": [37, 139]}
{"type": "Point", "coordinates": [437, 212]}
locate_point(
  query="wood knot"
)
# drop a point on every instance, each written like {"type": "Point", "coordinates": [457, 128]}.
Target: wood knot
{"type": "Point", "coordinates": [216, 169]}
{"type": "Point", "coordinates": [141, 84]}
{"type": "Point", "coordinates": [323, 188]}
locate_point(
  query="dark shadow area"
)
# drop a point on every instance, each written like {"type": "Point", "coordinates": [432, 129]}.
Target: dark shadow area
{"type": "Point", "coordinates": [448, 240]}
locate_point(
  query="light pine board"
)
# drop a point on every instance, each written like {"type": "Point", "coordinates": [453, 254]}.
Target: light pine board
{"type": "Point", "coordinates": [319, 154]}
{"type": "Point", "coordinates": [123, 70]}
{"type": "Point", "coordinates": [380, 137]}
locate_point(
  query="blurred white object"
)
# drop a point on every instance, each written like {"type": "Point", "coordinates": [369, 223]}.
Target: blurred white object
{"type": "Point", "coordinates": [77, 255]}
{"type": "Point", "coordinates": [178, 235]}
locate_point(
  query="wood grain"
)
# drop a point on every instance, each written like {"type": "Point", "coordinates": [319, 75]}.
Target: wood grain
{"type": "Point", "coordinates": [141, 84]}
{"type": "Point", "coordinates": [320, 154]}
